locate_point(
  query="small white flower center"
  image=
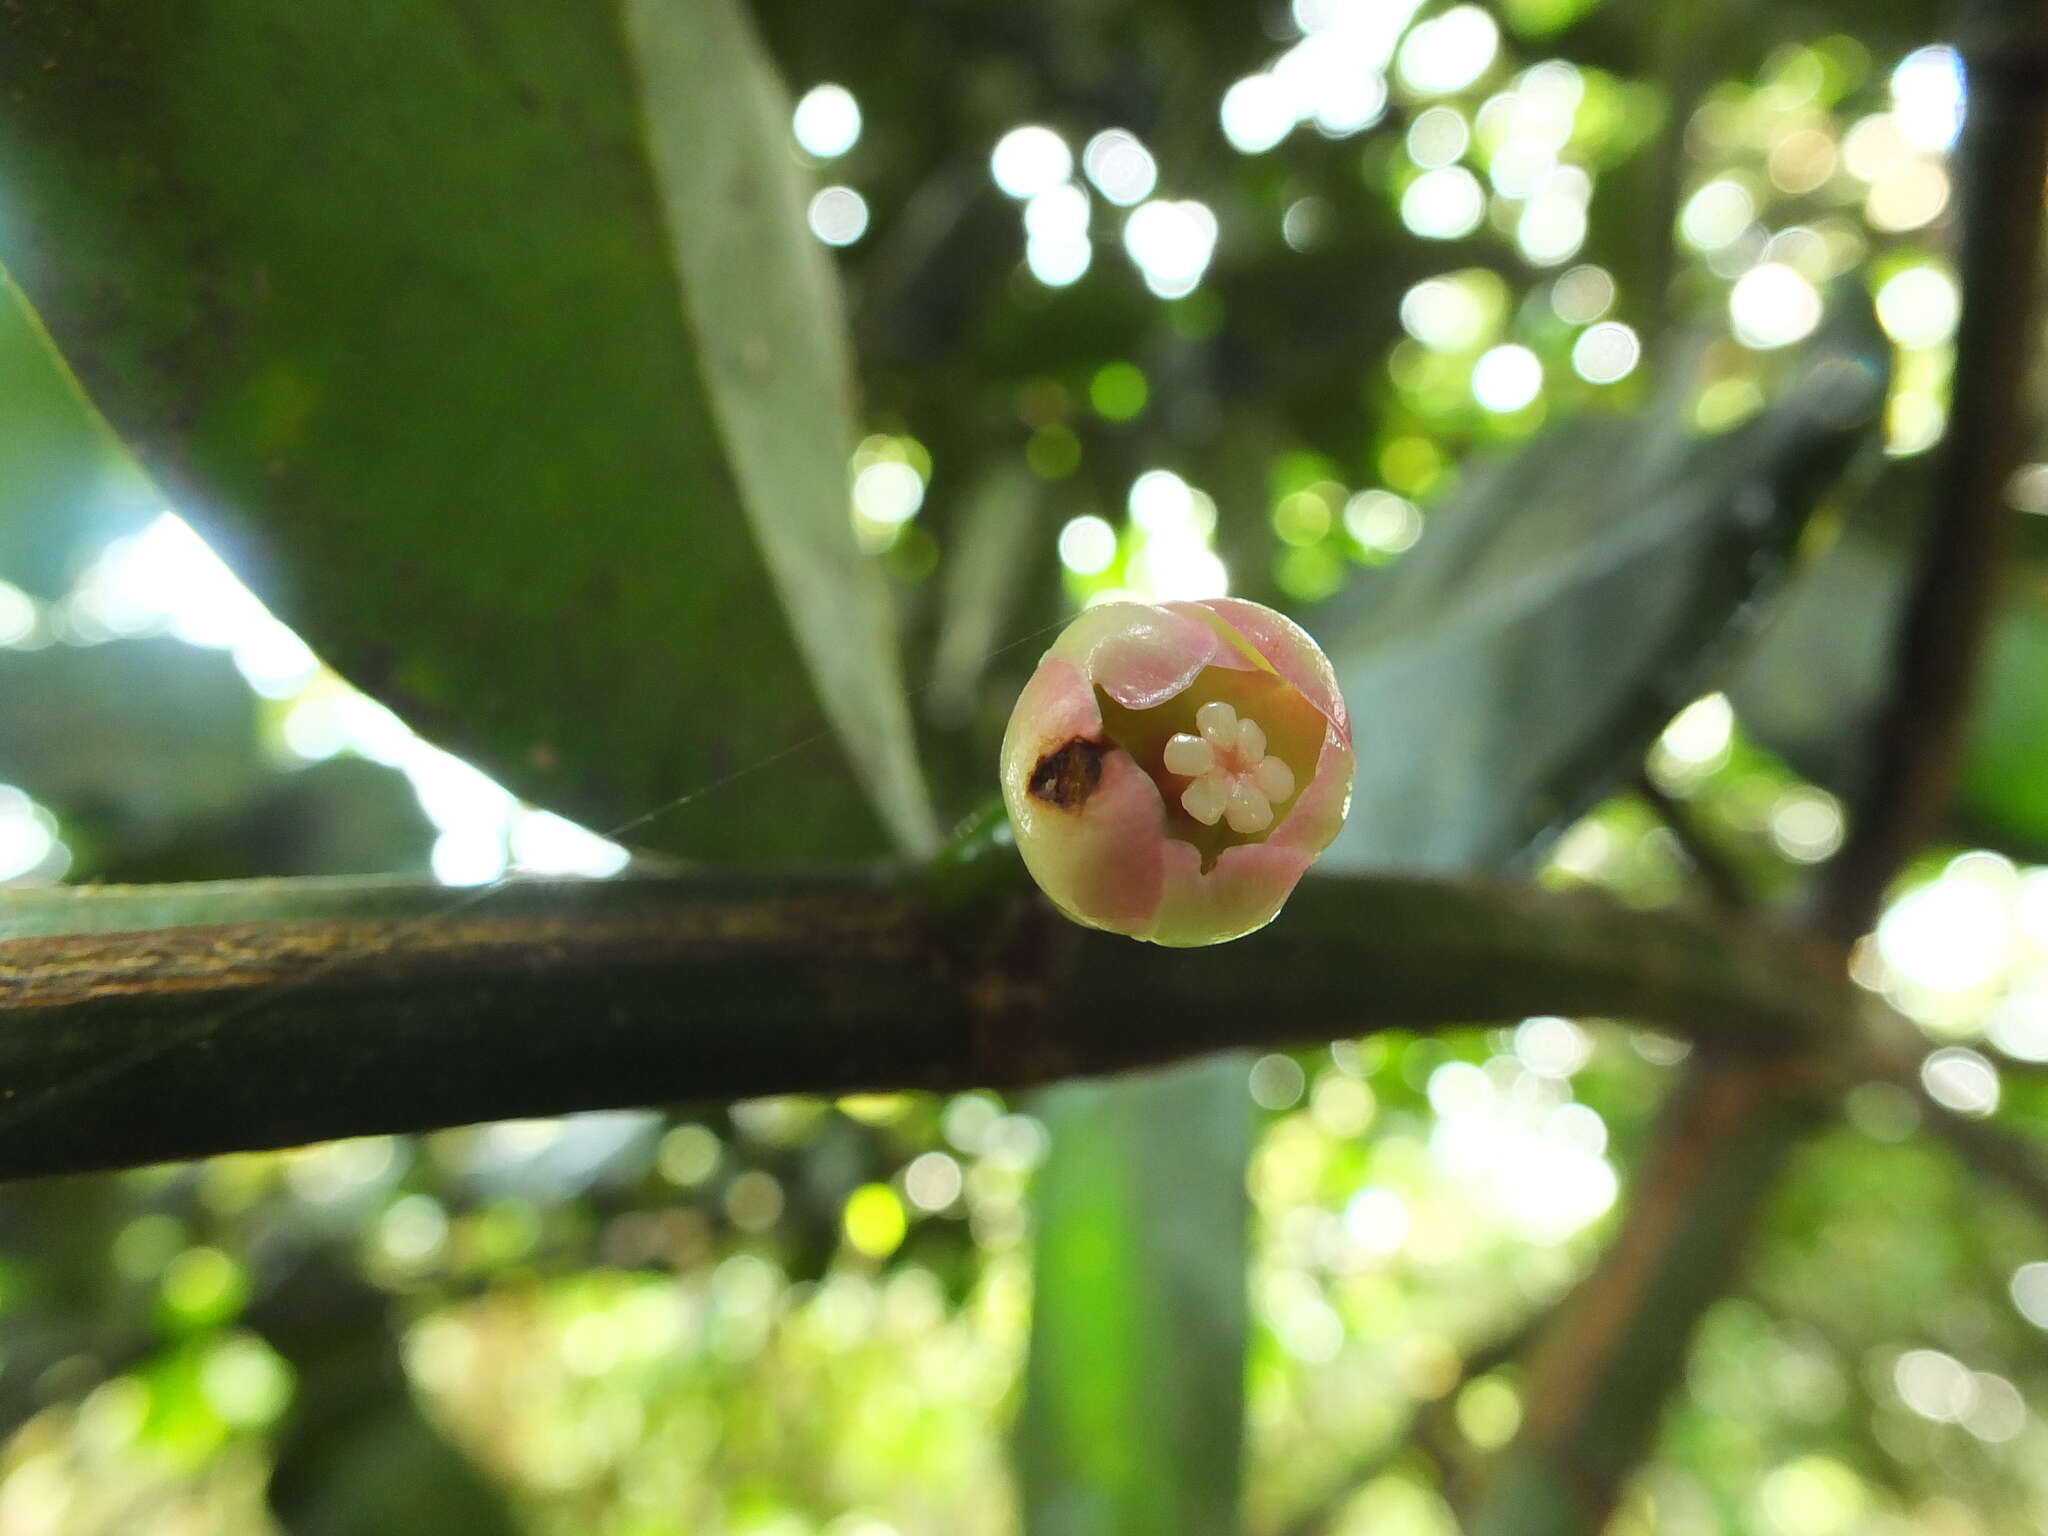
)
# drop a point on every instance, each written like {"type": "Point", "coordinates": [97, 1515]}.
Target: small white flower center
{"type": "Point", "coordinates": [1231, 777]}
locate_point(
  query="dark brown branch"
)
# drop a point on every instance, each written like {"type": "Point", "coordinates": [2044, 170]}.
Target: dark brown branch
{"type": "Point", "coordinates": [149, 1023]}
{"type": "Point", "coordinates": [1916, 740]}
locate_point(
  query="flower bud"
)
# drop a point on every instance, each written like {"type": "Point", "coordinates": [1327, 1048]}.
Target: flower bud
{"type": "Point", "coordinates": [1171, 770]}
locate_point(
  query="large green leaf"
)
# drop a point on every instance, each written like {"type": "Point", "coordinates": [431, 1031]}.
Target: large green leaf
{"type": "Point", "coordinates": [1563, 605]}
{"type": "Point", "coordinates": [66, 487]}
{"type": "Point", "coordinates": [489, 343]}
{"type": "Point", "coordinates": [1134, 1408]}
{"type": "Point", "coordinates": [1819, 677]}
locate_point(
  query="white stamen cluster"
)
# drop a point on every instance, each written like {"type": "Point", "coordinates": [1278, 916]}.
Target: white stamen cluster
{"type": "Point", "coordinates": [1233, 778]}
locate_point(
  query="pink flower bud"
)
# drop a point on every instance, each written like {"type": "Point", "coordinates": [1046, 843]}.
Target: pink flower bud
{"type": "Point", "coordinates": [1172, 770]}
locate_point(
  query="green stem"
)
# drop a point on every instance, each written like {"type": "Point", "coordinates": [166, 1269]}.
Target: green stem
{"type": "Point", "coordinates": [146, 1023]}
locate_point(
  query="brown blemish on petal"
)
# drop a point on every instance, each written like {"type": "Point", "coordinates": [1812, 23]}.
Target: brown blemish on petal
{"type": "Point", "coordinates": [1067, 777]}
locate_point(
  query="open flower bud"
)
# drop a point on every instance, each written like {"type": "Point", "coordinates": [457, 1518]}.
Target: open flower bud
{"type": "Point", "coordinates": [1172, 770]}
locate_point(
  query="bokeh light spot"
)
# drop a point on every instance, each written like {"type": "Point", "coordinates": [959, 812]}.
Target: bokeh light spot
{"type": "Point", "coordinates": [826, 121]}
{"type": "Point", "coordinates": [1606, 353]}
{"type": "Point", "coordinates": [1029, 160]}
{"type": "Point", "coordinates": [1449, 52]}
{"type": "Point", "coordinates": [1928, 97]}
{"type": "Point", "coordinates": [1121, 167]}
{"type": "Point", "coordinates": [2027, 491]}
{"type": "Point", "coordinates": [1445, 314]}
{"type": "Point", "coordinates": [1949, 936]}
{"type": "Point", "coordinates": [1257, 113]}
{"type": "Point", "coordinates": [1087, 545]}
{"type": "Point", "coordinates": [18, 615]}
{"type": "Point", "coordinates": [1445, 204]}
{"type": "Point", "coordinates": [1919, 306]}
{"type": "Point", "coordinates": [1961, 1079]}
{"type": "Point", "coordinates": [1716, 214]}
{"type": "Point", "coordinates": [1171, 243]}
{"type": "Point", "coordinates": [874, 1220]}
{"type": "Point", "coordinates": [888, 491]}
{"type": "Point", "coordinates": [1771, 305]}
{"type": "Point", "coordinates": [932, 1181]}
{"type": "Point", "coordinates": [1438, 137]}
{"type": "Point", "coordinates": [1118, 391]}
{"type": "Point", "coordinates": [1382, 522]}
{"type": "Point", "coordinates": [1053, 452]}
{"type": "Point", "coordinates": [838, 215]}
{"type": "Point", "coordinates": [1506, 378]}
{"type": "Point", "coordinates": [2029, 1290]}
{"type": "Point", "coordinates": [1582, 295]}
{"type": "Point", "coordinates": [1276, 1082]}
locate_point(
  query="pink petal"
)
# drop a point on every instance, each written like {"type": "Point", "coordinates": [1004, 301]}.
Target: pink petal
{"type": "Point", "coordinates": [1141, 654]}
{"type": "Point", "coordinates": [1102, 864]}
{"type": "Point", "coordinates": [1100, 859]}
{"type": "Point", "coordinates": [1292, 653]}
{"type": "Point", "coordinates": [1057, 704]}
{"type": "Point", "coordinates": [1318, 811]}
{"type": "Point", "coordinates": [1242, 891]}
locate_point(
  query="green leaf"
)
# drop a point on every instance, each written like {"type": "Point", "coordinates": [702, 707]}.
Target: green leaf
{"type": "Point", "coordinates": [489, 345]}
{"type": "Point", "coordinates": [1815, 683]}
{"type": "Point", "coordinates": [1134, 1409]}
{"type": "Point", "coordinates": [772, 342]}
{"type": "Point", "coordinates": [66, 486]}
{"type": "Point", "coordinates": [1563, 605]}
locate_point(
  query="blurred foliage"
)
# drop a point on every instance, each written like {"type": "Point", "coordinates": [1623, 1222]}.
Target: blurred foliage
{"type": "Point", "coordinates": [493, 488]}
